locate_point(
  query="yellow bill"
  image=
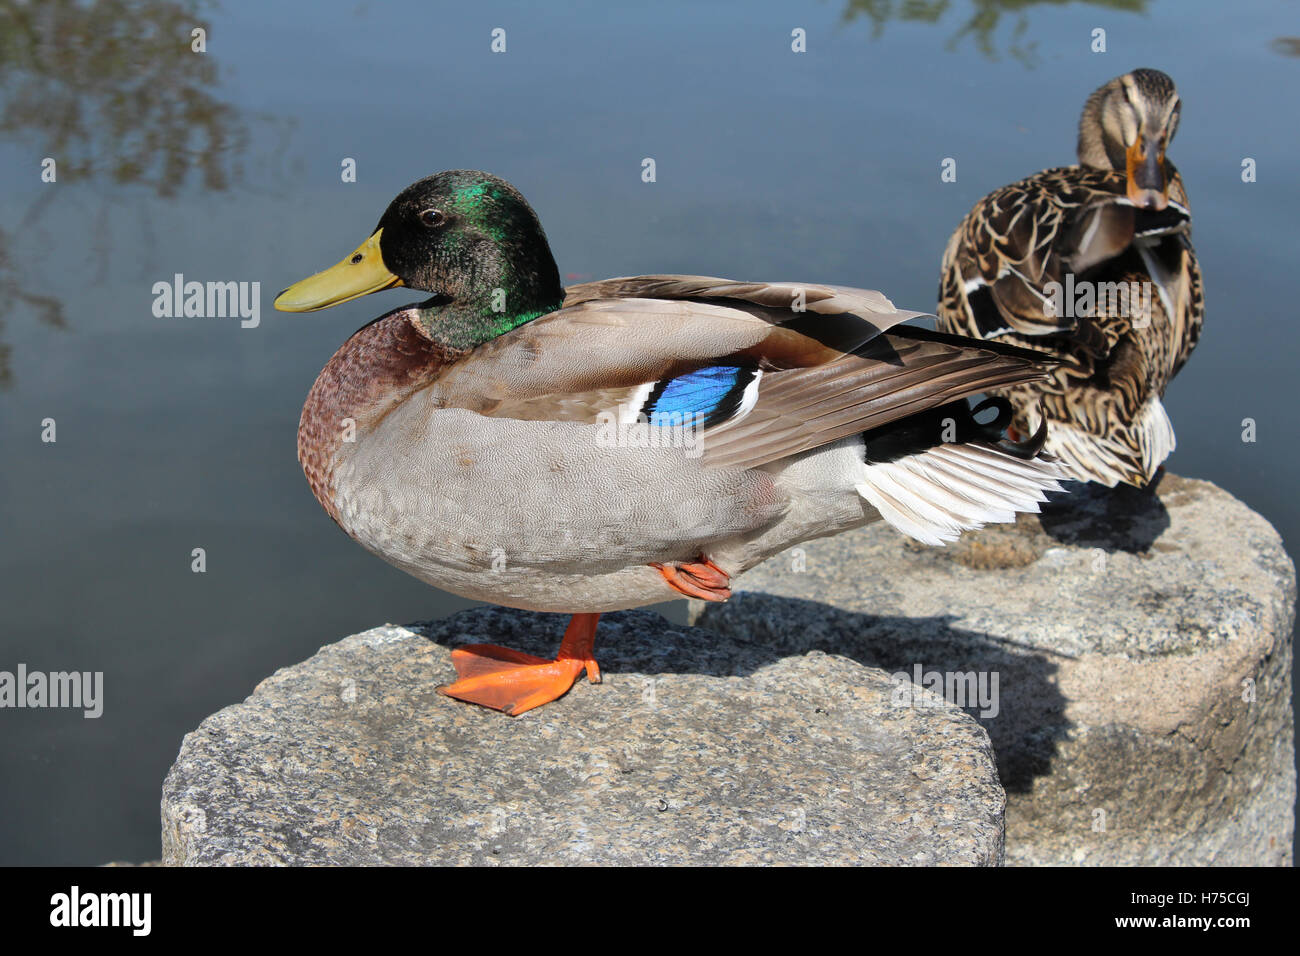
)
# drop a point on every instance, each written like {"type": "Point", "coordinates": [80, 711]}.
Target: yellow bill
{"type": "Point", "coordinates": [359, 274]}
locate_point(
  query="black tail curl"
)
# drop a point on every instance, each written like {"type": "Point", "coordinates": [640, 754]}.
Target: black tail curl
{"type": "Point", "coordinates": [951, 423]}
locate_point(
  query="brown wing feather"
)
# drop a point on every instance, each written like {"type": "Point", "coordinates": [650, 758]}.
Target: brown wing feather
{"type": "Point", "coordinates": [1025, 235]}
{"type": "Point", "coordinates": [826, 374]}
{"type": "Point", "coordinates": [904, 372]}
{"type": "Point", "coordinates": [822, 299]}
{"type": "Point", "coordinates": [614, 335]}
{"type": "Point", "coordinates": [593, 357]}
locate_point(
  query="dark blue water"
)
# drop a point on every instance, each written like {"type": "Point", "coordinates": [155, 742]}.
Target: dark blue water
{"type": "Point", "coordinates": [175, 434]}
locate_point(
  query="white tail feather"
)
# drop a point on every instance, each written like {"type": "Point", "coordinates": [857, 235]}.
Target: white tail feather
{"type": "Point", "coordinates": [1108, 461]}
{"type": "Point", "coordinates": [935, 495]}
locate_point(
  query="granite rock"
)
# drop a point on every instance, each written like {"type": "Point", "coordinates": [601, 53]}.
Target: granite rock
{"type": "Point", "coordinates": [1141, 645]}
{"type": "Point", "coordinates": [697, 748]}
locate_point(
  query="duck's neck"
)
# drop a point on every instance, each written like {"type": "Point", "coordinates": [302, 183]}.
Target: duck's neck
{"type": "Point", "coordinates": [373, 371]}
{"type": "Point", "coordinates": [490, 300]}
{"type": "Point", "coordinates": [1095, 148]}
{"type": "Point", "coordinates": [463, 326]}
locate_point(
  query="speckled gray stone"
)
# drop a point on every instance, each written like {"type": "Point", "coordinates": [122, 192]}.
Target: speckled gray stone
{"type": "Point", "coordinates": [1128, 632]}
{"type": "Point", "coordinates": [696, 749]}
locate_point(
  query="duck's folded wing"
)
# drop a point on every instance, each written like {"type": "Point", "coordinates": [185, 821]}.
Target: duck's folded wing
{"type": "Point", "coordinates": [762, 383]}
{"type": "Point", "coordinates": [1006, 266]}
{"type": "Point", "coordinates": [623, 333]}
{"type": "Point", "coordinates": [787, 296]}
{"type": "Point", "coordinates": [904, 372]}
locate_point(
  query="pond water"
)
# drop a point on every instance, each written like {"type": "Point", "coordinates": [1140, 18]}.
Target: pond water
{"type": "Point", "coordinates": [176, 434]}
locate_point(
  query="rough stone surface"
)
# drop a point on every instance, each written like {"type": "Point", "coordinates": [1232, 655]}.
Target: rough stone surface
{"type": "Point", "coordinates": [1125, 629]}
{"type": "Point", "coordinates": [696, 749]}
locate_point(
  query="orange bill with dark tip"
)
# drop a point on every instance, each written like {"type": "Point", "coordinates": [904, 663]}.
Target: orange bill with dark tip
{"type": "Point", "coordinates": [1148, 187]}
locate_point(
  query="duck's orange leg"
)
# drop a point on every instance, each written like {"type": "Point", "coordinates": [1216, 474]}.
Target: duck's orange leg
{"type": "Point", "coordinates": [698, 579]}
{"type": "Point", "coordinates": [513, 682]}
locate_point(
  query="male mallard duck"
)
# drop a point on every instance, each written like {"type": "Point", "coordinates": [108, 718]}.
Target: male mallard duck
{"type": "Point", "coordinates": [636, 440]}
{"type": "Point", "coordinates": [1092, 264]}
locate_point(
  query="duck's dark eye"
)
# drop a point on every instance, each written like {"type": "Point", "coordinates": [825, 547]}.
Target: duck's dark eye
{"type": "Point", "coordinates": [357, 258]}
{"type": "Point", "coordinates": [432, 218]}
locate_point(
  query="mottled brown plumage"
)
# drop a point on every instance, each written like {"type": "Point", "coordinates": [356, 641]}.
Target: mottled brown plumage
{"type": "Point", "coordinates": [1020, 266]}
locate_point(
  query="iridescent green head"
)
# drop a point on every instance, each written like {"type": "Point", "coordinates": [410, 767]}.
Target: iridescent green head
{"type": "Point", "coordinates": [466, 236]}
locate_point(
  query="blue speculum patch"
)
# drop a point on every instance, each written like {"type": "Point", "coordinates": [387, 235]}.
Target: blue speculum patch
{"type": "Point", "coordinates": [704, 397]}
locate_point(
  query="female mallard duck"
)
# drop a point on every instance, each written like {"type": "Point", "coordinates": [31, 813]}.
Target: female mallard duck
{"type": "Point", "coordinates": [633, 441]}
{"type": "Point", "coordinates": [1092, 264]}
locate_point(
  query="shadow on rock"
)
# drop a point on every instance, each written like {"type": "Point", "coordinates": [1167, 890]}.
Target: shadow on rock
{"type": "Point", "coordinates": [1008, 688]}
{"type": "Point", "coordinates": [1113, 519]}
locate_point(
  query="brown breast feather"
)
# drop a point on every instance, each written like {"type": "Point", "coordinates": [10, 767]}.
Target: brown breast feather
{"type": "Point", "coordinates": [370, 374]}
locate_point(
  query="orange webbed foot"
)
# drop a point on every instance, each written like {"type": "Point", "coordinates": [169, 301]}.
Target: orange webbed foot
{"type": "Point", "coordinates": [698, 579]}
{"type": "Point", "coordinates": [514, 682]}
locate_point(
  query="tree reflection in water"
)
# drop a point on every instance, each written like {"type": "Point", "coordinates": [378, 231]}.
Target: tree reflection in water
{"type": "Point", "coordinates": [112, 91]}
{"type": "Point", "coordinates": [978, 18]}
